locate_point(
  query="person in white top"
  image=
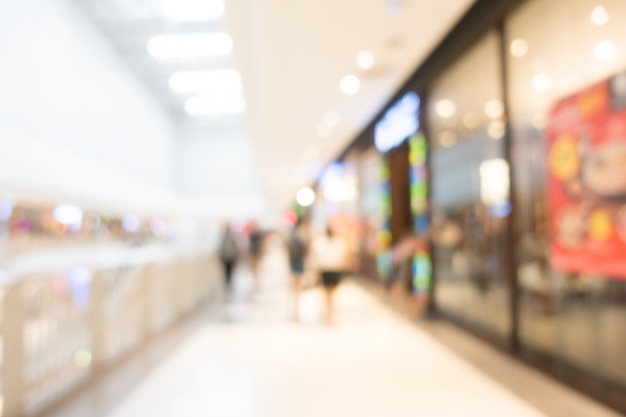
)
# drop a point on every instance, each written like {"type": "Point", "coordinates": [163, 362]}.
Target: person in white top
{"type": "Point", "coordinates": [330, 254]}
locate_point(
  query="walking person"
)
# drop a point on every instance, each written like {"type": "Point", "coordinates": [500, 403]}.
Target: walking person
{"type": "Point", "coordinates": [256, 250]}
{"type": "Point", "coordinates": [331, 257]}
{"type": "Point", "coordinates": [297, 248]}
{"type": "Point", "coordinates": [229, 252]}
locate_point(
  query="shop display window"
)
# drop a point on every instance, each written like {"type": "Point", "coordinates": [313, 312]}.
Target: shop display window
{"type": "Point", "coordinates": [567, 87]}
{"type": "Point", "coordinates": [375, 209]}
{"type": "Point", "coordinates": [470, 201]}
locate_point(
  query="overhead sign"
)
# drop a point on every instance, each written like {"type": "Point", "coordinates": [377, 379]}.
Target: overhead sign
{"type": "Point", "coordinates": [399, 122]}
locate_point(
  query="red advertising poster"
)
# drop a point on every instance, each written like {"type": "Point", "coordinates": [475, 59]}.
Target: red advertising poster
{"type": "Point", "coordinates": [587, 180]}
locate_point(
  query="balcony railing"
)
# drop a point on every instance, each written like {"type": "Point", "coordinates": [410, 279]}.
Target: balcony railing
{"type": "Point", "coordinates": [64, 325]}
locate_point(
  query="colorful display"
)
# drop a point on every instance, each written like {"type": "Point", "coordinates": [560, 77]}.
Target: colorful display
{"type": "Point", "coordinates": [587, 180]}
{"type": "Point", "coordinates": [384, 260]}
{"type": "Point", "coordinates": [418, 157]}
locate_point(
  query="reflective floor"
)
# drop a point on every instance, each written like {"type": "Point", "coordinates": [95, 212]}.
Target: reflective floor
{"type": "Point", "coordinates": [246, 357]}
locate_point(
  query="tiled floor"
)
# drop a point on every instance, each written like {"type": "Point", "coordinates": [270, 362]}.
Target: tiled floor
{"type": "Point", "coordinates": [247, 358]}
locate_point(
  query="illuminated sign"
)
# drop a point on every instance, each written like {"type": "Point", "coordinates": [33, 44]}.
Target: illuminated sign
{"type": "Point", "coordinates": [398, 123]}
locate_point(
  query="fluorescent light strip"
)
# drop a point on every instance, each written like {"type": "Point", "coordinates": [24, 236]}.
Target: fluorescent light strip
{"type": "Point", "coordinates": [194, 45]}
{"type": "Point", "coordinates": [222, 82]}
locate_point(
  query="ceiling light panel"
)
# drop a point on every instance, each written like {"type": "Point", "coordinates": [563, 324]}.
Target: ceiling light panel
{"type": "Point", "coordinates": [216, 82]}
{"type": "Point", "coordinates": [350, 85]}
{"type": "Point", "coordinates": [189, 46]}
{"type": "Point", "coordinates": [365, 60]}
{"type": "Point", "coordinates": [605, 50]}
{"type": "Point", "coordinates": [305, 196]}
{"type": "Point", "coordinates": [599, 16]}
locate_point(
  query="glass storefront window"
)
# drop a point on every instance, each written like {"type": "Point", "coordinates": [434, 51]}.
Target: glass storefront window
{"type": "Point", "coordinates": [567, 89]}
{"type": "Point", "coordinates": [374, 208]}
{"type": "Point", "coordinates": [470, 186]}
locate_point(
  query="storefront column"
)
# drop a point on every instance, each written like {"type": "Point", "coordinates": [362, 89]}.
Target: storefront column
{"type": "Point", "coordinates": [401, 216]}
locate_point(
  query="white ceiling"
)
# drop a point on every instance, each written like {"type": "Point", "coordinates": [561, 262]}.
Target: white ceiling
{"type": "Point", "coordinates": [291, 55]}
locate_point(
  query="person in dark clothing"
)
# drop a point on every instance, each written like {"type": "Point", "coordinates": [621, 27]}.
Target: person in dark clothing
{"type": "Point", "coordinates": [256, 249]}
{"type": "Point", "coordinates": [297, 248]}
{"type": "Point", "coordinates": [229, 253]}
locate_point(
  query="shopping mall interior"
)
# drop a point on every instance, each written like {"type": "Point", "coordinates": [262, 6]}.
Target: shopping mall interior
{"type": "Point", "coordinates": [278, 208]}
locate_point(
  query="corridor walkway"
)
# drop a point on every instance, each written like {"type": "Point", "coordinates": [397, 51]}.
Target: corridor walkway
{"type": "Point", "coordinates": [246, 358]}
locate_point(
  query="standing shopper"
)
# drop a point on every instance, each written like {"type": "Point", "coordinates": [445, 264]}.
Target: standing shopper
{"type": "Point", "coordinates": [331, 253]}
{"type": "Point", "coordinates": [256, 250]}
{"type": "Point", "coordinates": [229, 253]}
{"type": "Point", "coordinates": [297, 247]}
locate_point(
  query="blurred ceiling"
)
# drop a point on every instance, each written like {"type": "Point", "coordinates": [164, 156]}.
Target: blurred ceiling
{"type": "Point", "coordinates": [131, 24]}
{"type": "Point", "coordinates": [292, 55]}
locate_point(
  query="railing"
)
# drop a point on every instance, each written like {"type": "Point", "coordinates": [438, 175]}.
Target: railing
{"type": "Point", "coordinates": [58, 330]}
